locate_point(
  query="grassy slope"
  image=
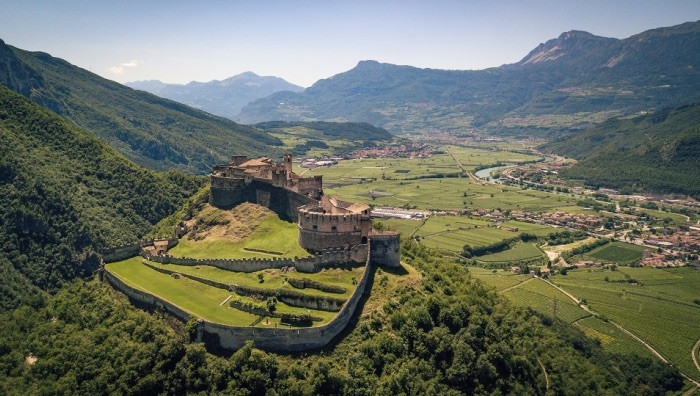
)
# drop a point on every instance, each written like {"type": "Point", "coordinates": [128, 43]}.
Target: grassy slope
{"type": "Point", "coordinates": [154, 132]}
{"type": "Point", "coordinates": [67, 194]}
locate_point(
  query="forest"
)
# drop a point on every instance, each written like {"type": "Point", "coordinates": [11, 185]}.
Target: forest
{"type": "Point", "coordinates": [446, 334]}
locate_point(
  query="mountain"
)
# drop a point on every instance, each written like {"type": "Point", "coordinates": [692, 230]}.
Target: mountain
{"type": "Point", "coordinates": [566, 83]}
{"type": "Point", "coordinates": [65, 195]}
{"type": "Point", "coordinates": [224, 98]}
{"type": "Point", "coordinates": [153, 132]}
{"type": "Point", "coordinates": [657, 152]}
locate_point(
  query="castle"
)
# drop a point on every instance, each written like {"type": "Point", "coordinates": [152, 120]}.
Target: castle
{"type": "Point", "coordinates": [338, 234]}
{"type": "Point", "coordinates": [324, 222]}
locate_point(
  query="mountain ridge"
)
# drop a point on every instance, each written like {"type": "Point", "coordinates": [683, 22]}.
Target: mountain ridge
{"type": "Point", "coordinates": [152, 131]}
{"type": "Point", "coordinates": [585, 79]}
{"type": "Point", "coordinates": [225, 97]}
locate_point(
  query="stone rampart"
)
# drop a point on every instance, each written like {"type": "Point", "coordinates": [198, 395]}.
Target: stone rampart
{"type": "Point", "coordinates": [119, 253]}
{"type": "Point", "coordinates": [285, 339]}
{"type": "Point", "coordinates": [219, 336]}
{"type": "Point", "coordinates": [329, 258]}
{"type": "Point", "coordinates": [146, 299]}
{"type": "Point", "coordinates": [386, 248]}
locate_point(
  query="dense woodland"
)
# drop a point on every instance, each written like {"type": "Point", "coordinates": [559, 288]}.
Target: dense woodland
{"type": "Point", "coordinates": [151, 131]}
{"type": "Point", "coordinates": [657, 152]}
{"type": "Point", "coordinates": [66, 195]}
{"type": "Point", "coordinates": [447, 334]}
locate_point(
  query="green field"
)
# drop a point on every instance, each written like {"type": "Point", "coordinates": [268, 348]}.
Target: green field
{"type": "Point", "coordinates": [205, 301]}
{"type": "Point", "coordinates": [353, 171]}
{"type": "Point", "coordinates": [521, 251]}
{"type": "Point", "coordinates": [617, 252]}
{"type": "Point", "coordinates": [659, 308]}
{"type": "Point", "coordinates": [272, 234]}
{"type": "Point", "coordinates": [526, 291]}
{"type": "Point", "coordinates": [472, 157]}
{"type": "Point", "coordinates": [540, 296]}
{"type": "Point", "coordinates": [449, 193]}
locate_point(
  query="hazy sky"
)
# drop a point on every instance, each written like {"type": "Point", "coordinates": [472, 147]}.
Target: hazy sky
{"type": "Point", "coordinates": [303, 41]}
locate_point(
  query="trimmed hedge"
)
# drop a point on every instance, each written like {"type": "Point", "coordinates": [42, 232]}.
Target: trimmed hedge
{"type": "Point", "coordinates": [306, 283]}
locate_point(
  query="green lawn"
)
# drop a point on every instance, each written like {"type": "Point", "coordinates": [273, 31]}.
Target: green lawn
{"type": "Point", "coordinates": [203, 300]}
{"type": "Point", "coordinates": [273, 234]}
{"type": "Point", "coordinates": [273, 278]}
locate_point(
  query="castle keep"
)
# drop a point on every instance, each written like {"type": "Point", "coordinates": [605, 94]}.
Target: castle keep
{"type": "Point", "coordinates": [324, 222]}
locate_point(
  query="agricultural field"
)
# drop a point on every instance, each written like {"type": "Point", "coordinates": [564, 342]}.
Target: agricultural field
{"type": "Point", "coordinates": [540, 296]}
{"type": "Point", "coordinates": [452, 241]}
{"type": "Point", "coordinates": [449, 193]}
{"type": "Point", "coordinates": [498, 279]}
{"type": "Point", "coordinates": [521, 251]}
{"type": "Point", "coordinates": [617, 252]}
{"type": "Point", "coordinates": [530, 228]}
{"type": "Point", "coordinates": [206, 301]}
{"type": "Point", "coordinates": [526, 291]}
{"type": "Point", "coordinates": [472, 158]}
{"type": "Point", "coordinates": [404, 226]}
{"type": "Point", "coordinates": [655, 304]}
{"type": "Point", "coordinates": [357, 170]}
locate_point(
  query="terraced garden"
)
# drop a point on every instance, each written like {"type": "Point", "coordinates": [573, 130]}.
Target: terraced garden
{"type": "Point", "coordinates": [212, 303]}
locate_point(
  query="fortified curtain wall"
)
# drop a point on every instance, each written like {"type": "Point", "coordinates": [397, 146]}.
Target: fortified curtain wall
{"type": "Point", "coordinates": [219, 336]}
{"type": "Point", "coordinates": [348, 257]}
{"type": "Point", "coordinates": [227, 192]}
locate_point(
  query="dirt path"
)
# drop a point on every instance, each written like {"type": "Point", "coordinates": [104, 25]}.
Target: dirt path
{"type": "Point", "coordinates": [514, 286]}
{"type": "Point", "coordinates": [629, 333]}
{"type": "Point", "coordinates": [694, 353]}
{"type": "Point", "coordinates": [544, 371]}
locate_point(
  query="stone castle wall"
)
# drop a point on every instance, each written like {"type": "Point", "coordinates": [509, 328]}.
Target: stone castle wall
{"type": "Point", "coordinates": [319, 231]}
{"type": "Point", "coordinates": [329, 258]}
{"type": "Point", "coordinates": [119, 253]}
{"type": "Point", "coordinates": [219, 336]}
{"type": "Point", "coordinates": [385, 249]}
{"type": "Point", "coordinates": [227, 193]}
{"type": "Point", "coordinates": [123, 252]}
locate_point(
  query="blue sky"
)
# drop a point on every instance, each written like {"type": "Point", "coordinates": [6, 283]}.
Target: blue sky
{"type": "Point", "coordinates": [303, 41]}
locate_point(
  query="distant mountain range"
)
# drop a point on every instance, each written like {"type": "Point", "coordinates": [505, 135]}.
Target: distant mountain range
{"type": "Point", "coordinates": [656, 152]}
{"type": "Point", "coordinates": [224, 98]}
{"type": "Point", "coordinates": [152, 131]}
{"type": "Point", "coordinates": [567, 83]}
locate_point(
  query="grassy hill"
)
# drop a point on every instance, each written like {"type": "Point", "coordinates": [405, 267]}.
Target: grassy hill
{"type": "Point", "coordinates": [566, 83]}
{"type": "Point", "coordinates": [153, 132]}
{"type": "Point", "coordinates": [657, 152]}
{"type": "Point", "coordinates": [66, 194]}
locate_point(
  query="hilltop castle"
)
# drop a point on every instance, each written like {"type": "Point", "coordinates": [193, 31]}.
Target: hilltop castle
{"type": "Point", "coordinates": [324, 222]}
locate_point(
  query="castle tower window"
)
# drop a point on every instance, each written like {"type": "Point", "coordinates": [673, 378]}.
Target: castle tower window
{"type": "Point", "coordinates": [334, 228]}
{"type": "Point", "coordinates": [315, 227]}
{"type": "Point", "coordinates": [364, 240]}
